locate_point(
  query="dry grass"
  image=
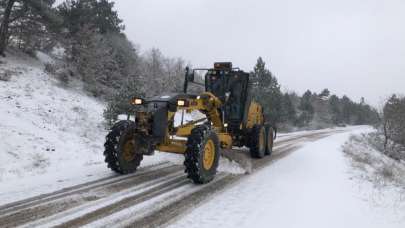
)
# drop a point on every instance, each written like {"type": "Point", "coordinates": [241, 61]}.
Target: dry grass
{"type": "Point", "coordinates": [367, 153]}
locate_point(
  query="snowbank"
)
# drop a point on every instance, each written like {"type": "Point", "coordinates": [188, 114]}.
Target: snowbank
{"type": "Point", "coordinates": [365, 152]}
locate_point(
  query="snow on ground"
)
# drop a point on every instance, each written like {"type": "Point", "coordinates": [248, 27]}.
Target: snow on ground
{"type": "Point", "coordinates": [45, 130]}
{"type": "Point", "coordinates": [385, 173]}
{"type": "Point", "coordinates": [297, 133]}
{"type": "Point", "coordinates": [366, 151]}
{"type": "Point", "coordinates": [43, 127]}
{"type": "Point", "coordinates": [313, 187]}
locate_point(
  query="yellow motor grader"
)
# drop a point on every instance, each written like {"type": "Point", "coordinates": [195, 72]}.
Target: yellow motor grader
{"type": "Point", "coordinates": [232, 118]}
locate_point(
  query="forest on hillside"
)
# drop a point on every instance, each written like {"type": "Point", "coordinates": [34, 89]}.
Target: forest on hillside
{"type": "Point", "coordinates": [87, 39]}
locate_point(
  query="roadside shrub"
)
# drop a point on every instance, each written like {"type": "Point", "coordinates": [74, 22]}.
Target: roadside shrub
{"type": "Point", "coordinates": [367, 153]}
{"type": "Point", "coordinates": [119, 103]}
{"type": "Point", "coordinates": [50, 68]}
{"type": "Point", "coordinates": [5, 76]}
{"type": "Point", "coordinates": [394, 127]}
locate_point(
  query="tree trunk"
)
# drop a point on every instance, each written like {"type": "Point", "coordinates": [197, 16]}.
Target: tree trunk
{"type": "Point", "coordinates": [4, 27]}
{"type": "Point", "coordinates": [385, 135]}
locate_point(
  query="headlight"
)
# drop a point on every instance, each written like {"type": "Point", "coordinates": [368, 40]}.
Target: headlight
{"type": "Point", "coordinates": [137, 101]}
{"type": "Point", "coordinates": [181, 103]}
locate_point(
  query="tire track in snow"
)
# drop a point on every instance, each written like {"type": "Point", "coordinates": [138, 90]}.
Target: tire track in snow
{"type": "Point", "coordinates": [176, 209]}
{"type": "Point", "coordinates": [42, 208]}
{"type": "Point", "coordinates": [90, 212]}
{"type": "Point", "coordinates": [71, 190]}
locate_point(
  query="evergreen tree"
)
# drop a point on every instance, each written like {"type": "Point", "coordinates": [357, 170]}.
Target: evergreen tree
{"type": "Point", "coordinates": [394, 121]}
{"type": "Point", "coordinates": [28, 23]}
{"type": "Point", "coordinates": [307, 110]}
{"type": "Point", "coordinates": [289, 114]}
{"type": "Point", "coordinates": [325, 93]}
{"type": "Point", "coordinates": [267, 92]}
{"type": "Point", "coordinates": [347, 110]}
{"type": "Point", "coordinates": [119, 103]}
{"type": "Point", "coordinates": [96, 48]}
{"type": "Point", "coordinates": [334, 106]}
{"type": "Point", "coordinates": [100, 16]}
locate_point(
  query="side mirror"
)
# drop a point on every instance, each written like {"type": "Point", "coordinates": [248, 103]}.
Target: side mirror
{"type": "Point", "coordinates": [189, 75]}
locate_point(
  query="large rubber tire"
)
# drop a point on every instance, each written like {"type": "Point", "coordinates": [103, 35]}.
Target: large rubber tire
{"type": "Point", "coordinates": [201, 137]}
{"type": "Point", "coordinates": [269, 140]}
{"type": "Point", "coordinates": [119, 135]}
{"type": "Point", "coordinates": [257, 142]}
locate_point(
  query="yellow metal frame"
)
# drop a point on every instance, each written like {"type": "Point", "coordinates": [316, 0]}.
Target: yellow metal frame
{"type": "Point", "coordinates": [225, 140]}
{"type": "Point", "coordinates": [185, 130]}
{"type": "Point", "coordinates": [255, 115]}
{"type": "Point", "coordinates": [176, 148]}
{"type": "Point", "coordinates": [208, 104]}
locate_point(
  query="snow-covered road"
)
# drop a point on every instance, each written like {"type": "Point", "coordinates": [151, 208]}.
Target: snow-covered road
{"type": "Point", "coordinates": [313, 187]}
{"type": "Point", "coordinates": [154, 196]}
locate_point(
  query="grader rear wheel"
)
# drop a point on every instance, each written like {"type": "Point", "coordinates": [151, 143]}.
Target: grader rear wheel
{"type": "Point", "coordinates": [121, 148]}
{"type": "Point", "coordinates": [269, 140]}
{"type": "Point", "coordinates": [202, 155]}
{"type": "Point", "coordinates": [258, 141]}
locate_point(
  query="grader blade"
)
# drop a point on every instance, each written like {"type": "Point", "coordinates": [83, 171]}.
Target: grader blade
{"type": "Point", "coordinates": [241, 157]}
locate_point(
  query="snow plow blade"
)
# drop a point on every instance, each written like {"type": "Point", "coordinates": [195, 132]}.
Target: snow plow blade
{"type": "Point", "coordinates": [241, 157]}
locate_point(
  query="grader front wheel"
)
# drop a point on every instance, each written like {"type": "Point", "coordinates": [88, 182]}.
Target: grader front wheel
{"type": "Point", "coordinates": [202, 155]}
{"type": "Point", "coordinates": [121, 148]}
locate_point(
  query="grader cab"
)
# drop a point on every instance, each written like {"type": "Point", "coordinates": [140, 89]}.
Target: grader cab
{"type": "Point", "coordinates": [232, 118]}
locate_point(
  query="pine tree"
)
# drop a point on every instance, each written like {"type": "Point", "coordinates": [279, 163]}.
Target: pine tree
{"type": "Point", "coordinates": [119, 103]}
{"type": "Point", "coordinates": [307, 110]}
{"type": "Point", "coordinates": [289, 114]}
{"type": "Point", "coordinates": [267, 92]}
{"type": "Point", "coordinates": [347, 110]}
{"type": "Point", "coordinates": [96, 48]}
{"type": "Point", "coordinates": [100, 16]}
{"type": "Point", "coordinates": [29, 23]}
{"type": "Point", "coordinates": [394, 120]}
{"type": "Point", "coordinates": [325, 93]}
{"type": "Point", "coordinates": [334, 107]}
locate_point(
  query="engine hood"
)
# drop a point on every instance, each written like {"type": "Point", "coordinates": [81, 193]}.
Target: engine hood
{"type": "Point", "coordinates": [171, 98]}
{"type": "Point", "coordinates": [168, 101]}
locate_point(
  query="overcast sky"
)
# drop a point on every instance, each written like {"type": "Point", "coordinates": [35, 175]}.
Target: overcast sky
{"type": "Point", "coordinates": [353, 47]}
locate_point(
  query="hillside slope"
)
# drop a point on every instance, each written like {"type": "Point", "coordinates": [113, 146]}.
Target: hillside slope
{"type": "Point", "coordinates": [43, 126]}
